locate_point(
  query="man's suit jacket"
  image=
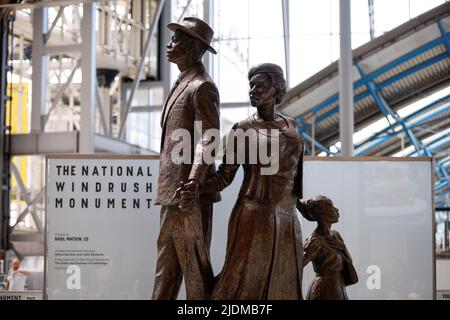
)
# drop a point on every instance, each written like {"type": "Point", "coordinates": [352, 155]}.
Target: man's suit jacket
{"type": "Point", "coordinates": [196, 98]}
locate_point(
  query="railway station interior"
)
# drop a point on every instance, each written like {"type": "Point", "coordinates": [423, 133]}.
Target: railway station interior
{"type": "Point", "coordinates": [91, 77]}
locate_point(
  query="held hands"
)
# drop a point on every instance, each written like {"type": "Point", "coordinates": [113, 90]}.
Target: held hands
{"type": "Point", "coordinates": [188, 193]}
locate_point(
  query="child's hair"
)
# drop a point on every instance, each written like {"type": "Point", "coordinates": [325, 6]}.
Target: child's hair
{"type": "Point", "coordinates": [312, 207]}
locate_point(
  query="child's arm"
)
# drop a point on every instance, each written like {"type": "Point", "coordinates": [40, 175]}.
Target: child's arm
{"type": "Point", "coordinates": [349, 273]}
{"type": "Point", "coordinates": [310, 249]}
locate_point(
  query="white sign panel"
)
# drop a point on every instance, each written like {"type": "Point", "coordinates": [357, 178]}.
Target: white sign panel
{"type": "Point", "coordinates": [386, 221]}
{"type": "Point", "coordinates": [109, 252]}
{"type": "Point", "coordinates": [101, 224]}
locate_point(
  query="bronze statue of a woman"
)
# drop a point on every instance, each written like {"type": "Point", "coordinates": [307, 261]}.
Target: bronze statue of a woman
{"type": "Point", "coordinates": [326, 250]}
{"type": "Point", "coordinates": [264, 256]}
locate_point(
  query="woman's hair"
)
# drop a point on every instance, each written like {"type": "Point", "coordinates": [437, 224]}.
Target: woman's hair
{"type": "Point", "coordinates": [312, 208]}
{"type": "Point", "coordinates": [276, 76]}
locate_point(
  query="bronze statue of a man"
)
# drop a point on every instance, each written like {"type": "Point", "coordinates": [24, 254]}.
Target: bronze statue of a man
{"type": "Point", "coordinates": [185, 235]}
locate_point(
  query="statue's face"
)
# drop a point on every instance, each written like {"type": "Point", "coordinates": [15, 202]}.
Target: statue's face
{"type": "Point", "coordinates": [330, 212]}
{"type": "Point", "coordinates": [177, 48]}
{"type": "Point", "coordinates": [261, 90]}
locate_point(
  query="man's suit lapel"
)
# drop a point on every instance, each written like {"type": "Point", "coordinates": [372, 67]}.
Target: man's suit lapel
{"type": "Point", "coordinates": [176, 93]}
{"type": "Point", "coordinates": [164, 108]}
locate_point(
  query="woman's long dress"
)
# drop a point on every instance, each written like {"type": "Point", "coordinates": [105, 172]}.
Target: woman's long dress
{"type": "Point", "coordinates": [264, 257]}
{"type": "Point", "coordinates": [332, 264]}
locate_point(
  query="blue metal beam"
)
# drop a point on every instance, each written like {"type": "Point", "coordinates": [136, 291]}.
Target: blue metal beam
{"type": "Point", "coordinates": [413, 69]}
{"type": "Point", "coordinates": [381, 85]}
{"type": "Point", "coordinates": [409, 56]}
{"type": "Point", "coordinates": [383, 136]}
{"type": "Point", "coordinates": [444, 33]}
{"type": "Point", "coordinates": [441, 184]}
{"type": "Point", "coordinates": [387, 110]}
{"type": "Point", "coordinates": [417, 122]}
{"type": "Point", "coordinates": [438, 145]}
{"type": "Point", "coordinates": [438, 170]}
{"type": "Point", "coordinates": [373, 89]}
{"type": "Point", "coordinates": [301, 129]}
{"type": "Point", "coordinates": [425, 125]}
{"type": "Point", "coordinates": [444, 39]}
{"type": "Point", "coordinates": [318, 145]}
{"type": "Point", "coordinates": [373, 144]}
{"type": "Point", "coordinates": [407, 119]}
{"type": "Point", "coordinates": [376, 139]}
{"type": "Point", "coordinates": [327, 115]}
{"type": "Point", "coordinates": [445, 164]}
{"type": "Point", "coordinates": [434, 145]}
{"type": "Point", "coordinates": [442, 109]}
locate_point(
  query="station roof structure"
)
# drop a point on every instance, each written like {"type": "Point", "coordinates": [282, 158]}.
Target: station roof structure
{"type": "Point", "coordinates": [390, 73]}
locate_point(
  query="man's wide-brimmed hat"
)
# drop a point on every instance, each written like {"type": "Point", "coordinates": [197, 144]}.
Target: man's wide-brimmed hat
{"type": "Point", "coordinates": [195, 28]}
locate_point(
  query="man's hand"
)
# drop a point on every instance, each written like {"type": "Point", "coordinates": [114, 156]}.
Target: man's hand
{"type": "Point", "coordinates": [189, 194]}
{"type": "Point", "coordinates": [177, 194]}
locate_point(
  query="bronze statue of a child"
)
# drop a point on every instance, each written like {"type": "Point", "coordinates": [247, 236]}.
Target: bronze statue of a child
{"type": "Point", "coordinates": [326, 250]}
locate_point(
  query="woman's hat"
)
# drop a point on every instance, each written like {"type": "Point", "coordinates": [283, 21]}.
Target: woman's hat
{"type": "Point", "coordinates": [195, 28]}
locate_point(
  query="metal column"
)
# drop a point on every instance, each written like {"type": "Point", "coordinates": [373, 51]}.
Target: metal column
{"type": "Point", "coordinates": [39, 62]}
{"type": "Point", "coordinates": [371, 19]}
{"type": "Point", "coordinates": [164, 37]}
{"type": "Point", "coordinates": [286, 33]}
{"type": "Point", "coordinates": [447, 230]}
{"type": "Point", "coordinates": [346, 117]}
{"type": "Point", "coordinates": [208, 17]}
{"type": "Point", "coordinates": [88, 71]}
{"type": "Point", "coordinates": [105, 78]}
{"type": "Point", "coordinates": [5, 20]}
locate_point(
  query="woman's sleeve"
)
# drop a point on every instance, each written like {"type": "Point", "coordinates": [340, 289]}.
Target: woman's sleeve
{"type": "Point", "coordinates": [226, 172]}
{"type": "Point", "coordinates": [223, 177]}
